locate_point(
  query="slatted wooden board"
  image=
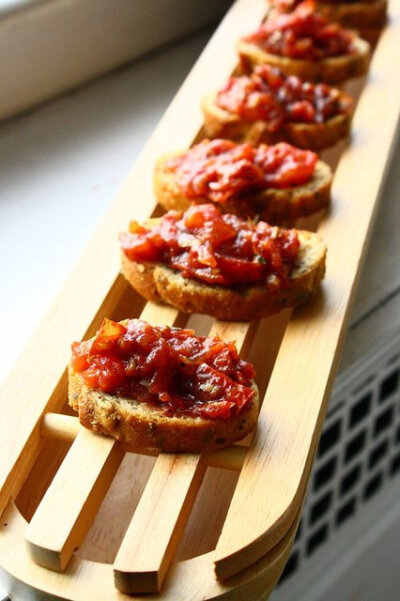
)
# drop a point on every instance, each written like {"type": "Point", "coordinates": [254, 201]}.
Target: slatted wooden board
{"type": "Point", "coordinates": [220, 525]}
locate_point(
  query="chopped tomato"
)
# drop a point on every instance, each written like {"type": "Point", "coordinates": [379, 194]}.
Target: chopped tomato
{"type": "Point", "coordinates": [269, 95]}
{"type": "Point", "coordinates": [139, 245]}
{"type": "Point", "coordinates": [106, 373]}
{"type": "Point", "coordinates": [252, 100]}
{"type": "Point", "coordinates": [240, 270]}
{"type": "Point", "coordinates": [167, 367]}
{"type": "Point", "coordinates": [219, 170]}
{"type": "Point", "coordinates": [108, 336]}
{"type": "Point", "coordinates": [225, 397]}
{"type": "Point", "coordinates": [206, 218]}
{"type": "Point", "coordinates": [222, 249]}
{"type": "Point", "coordinates": [80, 352]}
{"type": "Point", "coordinates": [303, 34]}
{"type": "Point", "coordinates": [285, 165]}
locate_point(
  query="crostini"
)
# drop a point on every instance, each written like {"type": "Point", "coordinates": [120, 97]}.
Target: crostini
{"type": "Point", "coordinates": [277, 183]}
{"type": "Point", "coordinates": [357, 14]}
{"type": "Point", "coordinates": [203, 261]}
{"type": "Point", "coordinates": [306, 44]}
{"type": "Point", "coordinates": [162, 388]}
{"type": "Point", "coordinates": [268, 106]}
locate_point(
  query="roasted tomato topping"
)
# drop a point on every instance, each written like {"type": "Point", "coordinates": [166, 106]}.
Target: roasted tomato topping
{"type": "Point", "coordinates": [285, 6]}
{"type": "Point", "coordinates": [289, 5]}
{"type": "Point", "coordinates": [218, 249]}
{"type": "Point", "coordinates": [269, 95]}
{"type": "Point", "coordinates": [346, 1]}
{"type": "Point", "coordinates": [303, 34]}
{"type": "Point", "coordinates": [220, 169]}
{"type": "Point", "coordinates": [252, 97]}
{"type": "Point", "coordinates": [167, 367]}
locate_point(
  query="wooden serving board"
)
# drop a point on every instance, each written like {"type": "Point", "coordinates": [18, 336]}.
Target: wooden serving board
{"type": "Point", "coordinates": [185, 527]}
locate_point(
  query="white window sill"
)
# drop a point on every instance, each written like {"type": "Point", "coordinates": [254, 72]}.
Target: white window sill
{"type": "Point", "coordinates": [52, 46]}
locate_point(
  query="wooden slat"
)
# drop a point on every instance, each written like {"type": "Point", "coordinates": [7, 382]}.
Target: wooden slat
{"type": "Point", "coordinates": [152, 537]}
{"type": "Point", "coordinates": [158, 315]}
{"type": "Point", "coordinates": [154, 531]}
{"type": "Point", "coordinates": [157, 525]}
{"type": "Point", "coordinates": [290, 422]}
{"type": "Point", "coordinates": [57, 425]}
{"type": "Point", "coordinates": [71, 501]}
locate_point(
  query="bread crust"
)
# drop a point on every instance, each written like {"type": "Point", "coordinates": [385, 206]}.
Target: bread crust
{"type": "Point", "coordinates": [276, 206]}
{"type": "Point", "coordinates": [142, 426]}
{"type": "Point", "coordinates": [219, 123]}
{"type": "Point", "coordinates": [238, 303]}
{"type": "Point", "coordinates": [329, 70]}
{"type": "Point", "coordinates": [355, 15]}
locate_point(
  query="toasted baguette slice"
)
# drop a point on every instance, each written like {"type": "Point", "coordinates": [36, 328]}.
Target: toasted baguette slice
{"type": "Point", "coordinates": [142, 426]}
{"type": "Point", "coordinates": [158, 282]}
{"type": "Point", "coordinates": [329, 70]}
{"type": "Point", "coordinates": [276, 206]}
{"type": "Point", "coordinates": [219, 123]}
{"type": "Point", "coordinates": [355, 15]}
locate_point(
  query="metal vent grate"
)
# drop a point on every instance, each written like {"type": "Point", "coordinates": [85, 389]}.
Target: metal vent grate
{"type": "Point", "coordinates": [358, 454]}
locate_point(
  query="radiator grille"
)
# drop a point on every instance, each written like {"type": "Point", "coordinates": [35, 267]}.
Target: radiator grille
{"type": "Point", "coordinates": [358, 454]}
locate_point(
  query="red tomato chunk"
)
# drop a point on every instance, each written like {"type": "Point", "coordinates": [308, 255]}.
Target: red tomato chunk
{"type": "Point", "coordinates": [268, 95]}
{"type": "Point", "coordinates": [216, 248]}
{"type": "Point", "coordinates": [303, 34]}
{"type": "Point", "coordinates": [167, 367]}
{"type": "Point", "coordinates": [220, 169]}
